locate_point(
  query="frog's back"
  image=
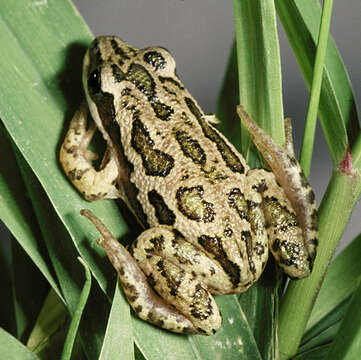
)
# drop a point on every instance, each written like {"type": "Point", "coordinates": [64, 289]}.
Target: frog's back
{"type": "Point", "coordinates": [179, 163]}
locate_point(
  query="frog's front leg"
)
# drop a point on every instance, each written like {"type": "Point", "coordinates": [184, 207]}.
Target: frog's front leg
{"type": "Point", "coordinates": [184, 305]}
{"type": "Point", "coordinates": [297, 242]}
{"type": "Point", "coordinates": [75, 157]}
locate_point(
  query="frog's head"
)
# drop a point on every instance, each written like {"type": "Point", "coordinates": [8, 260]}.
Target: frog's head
{"type": "Point", "coordinates": [103, 68]}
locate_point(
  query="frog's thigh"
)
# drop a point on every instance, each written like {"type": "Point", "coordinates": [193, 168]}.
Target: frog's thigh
{"type": "Point", "coordinates": [74, 158]}
{"type": "Point", "coordinates": [285, 235]}
{"type": "Point", "coordinates": [158, 253]}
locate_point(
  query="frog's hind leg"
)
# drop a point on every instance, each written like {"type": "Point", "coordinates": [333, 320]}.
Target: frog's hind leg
{"type": "Point", "coordinates": [75, 159]}
{"type": "Point", "coordinates": [177, 271]}
{"type": "Point", "coordinates": [289, 175]}
{"type": "Point", "coordinates": [144, 301]}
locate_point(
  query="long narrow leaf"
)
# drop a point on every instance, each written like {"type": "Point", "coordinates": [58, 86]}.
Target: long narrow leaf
{"type": "Point", "coordinates": [17, 214]}
{"type": "Point", "coordinates": [337, 110]}
{"type": "Point", "coordinates": [12, 349]}
{"type": "Point", "coordinates": [118, 339]}
{"type": "Point", "coordinates": [347, 344]}
{"type": "Point", "coordinates": [73, 329]}
{"type": "Point", "coordinates": [259, 68]}
{"type": "Point", "coordinates": [341, 280]}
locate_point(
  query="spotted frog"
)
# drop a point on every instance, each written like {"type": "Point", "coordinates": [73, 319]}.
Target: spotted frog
{"type": "Point", "coordinates": [209, 220]}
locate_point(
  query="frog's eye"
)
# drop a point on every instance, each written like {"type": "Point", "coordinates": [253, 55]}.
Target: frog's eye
{"type": "Point", "coordinates": [94, 82]}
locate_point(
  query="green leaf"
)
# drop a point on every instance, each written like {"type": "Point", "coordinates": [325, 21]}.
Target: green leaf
{"type": "Point", "coordinates": [260, 304]}
{"type": "Point", "coordinates": [341, 280]}
{"type": "Point", "coordinates": [337, 109]}
{"type": "Point", "coordinates": [234, 339]}
{"type": "Point", "coordinates": [29, 291]}
{"type": "Point", "coordinates": [347, 345]}
{"type": "Point", "coordinates": [17, 213]}
{"type": "Point", "coordinates": [73, 329]}
{"type": "Point", "coordinates": [320, 353]}
{"type": "Point", "coordinates": [52, 316]}
{"type": "Point", "coordinates": [259, 67]}
{"type": "Point", "coordinates": [228, 100]}
{"type": "Point", "coordinates": [311, 118]}
{"type": "Point", "coordinates": [325, 330]}
{"type": "Point", "coordinates": [118, 340]}
{"type": "Point", "coordinates": [12, 349]}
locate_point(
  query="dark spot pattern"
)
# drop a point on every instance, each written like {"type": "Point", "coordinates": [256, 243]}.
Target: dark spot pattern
{"type": "Point", "coordinates": [278, 216]}
{"type": "Point", "coordinates": [213, 245]}
{"type": "Point", "coordinates": [162, 212]}
{"type": "Point", "coordinates": [158, 243]}
{"type": "Point", "coordinates": [190, 147]}
{"type": "Point", "coordinates": [229, 157]}
{"type": "Point", "coordinates": [314, 221]}
{"type": "Point", "coordinates": [200, 306]}
{"type": "Point", "coordinates": [237, 201]}
{"type": "Point", "coordinates": [155, 162]}
{"type": "Point", "coordinates": [255, 217]}
{"type": "Point", "coordinates": [174, 280]}
{"type": "Point", "coordinates": [144, 82]}
{"type": "Point", "coordinates": [119, 51]}
{"type": "Point", "coordinates": [155, 59]}
{"type": "Point", "coordinates": [259, 249]}
{"type": "Point", "coordinates": [191, 204]}
{"type": "Point", "coordinates": [290, 253]}
{"type": "Point", "coordinates": [172, 81]}
{"type": "Point", "coordinates": [117, 73]}
{"type": "Point", "coordinates": [247, 238]}
{"type": "Point", "coordinates": [311, 197]}
{"type": "Point", "coordinates": [77, 174]}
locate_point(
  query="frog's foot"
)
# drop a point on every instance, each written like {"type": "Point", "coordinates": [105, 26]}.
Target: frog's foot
{"type": "Point", "coordinates": [75, 159]}
{"type": "Point", "coordinates": [290, 176]}
{"type": "Point", "coordinates": [144, 301]}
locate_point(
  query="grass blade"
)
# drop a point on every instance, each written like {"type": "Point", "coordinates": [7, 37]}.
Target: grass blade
{"type": "Point", "coordinates": [347, 345]}
{"type": "Point", "coordinates": [259, 68]}
{"type": "Point", "coordinates": [53, 315]}
{"type": "Point", "coordinates": [337, 109]}
{"type": "Point", "coordinates": [17, 214]}
{"type": "Point", "coordinates": [309, 135]}
{"type": "Point", "coordinates": [73, 329]}
{"type": "Point", "coordinates": [12, 349]}
{"type": "Point", "coordinates": [117, 340]}
{"type": "Point", "coordinates": [341, 280]}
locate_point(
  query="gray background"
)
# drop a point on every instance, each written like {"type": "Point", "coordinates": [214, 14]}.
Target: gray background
{"type": "Point", "coordinates": [199, 35]}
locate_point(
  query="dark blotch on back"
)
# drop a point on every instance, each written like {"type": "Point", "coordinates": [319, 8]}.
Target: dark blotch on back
{"type": "Point", "coordinates": [117, 73]}
{"type": "Point", "coordinates": [229, 157]}
{"type": "Point", "coordinates": [191, 204]}
{"type": "Point", "coordinates": [155, 162]}
{"type": "Point", "coordinates": [191, 147]}
{"type": "Point", "coordinates": [140, 77]}
{"type": "Point", "coordinates": [163, 213]}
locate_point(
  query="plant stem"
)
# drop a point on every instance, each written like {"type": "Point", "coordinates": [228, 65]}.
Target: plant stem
{"type": "Point", "coordinates": [309, 133]}
{"type": "Point", "coordinates": [335, 209]}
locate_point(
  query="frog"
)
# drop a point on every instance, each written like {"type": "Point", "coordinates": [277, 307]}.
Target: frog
{"type": "Point", "coordinates": [209, 221]}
